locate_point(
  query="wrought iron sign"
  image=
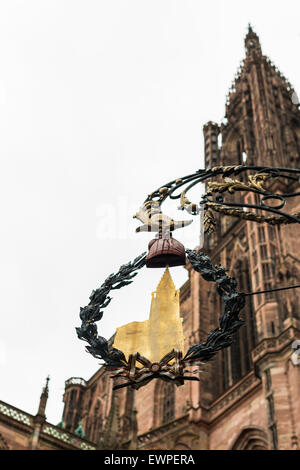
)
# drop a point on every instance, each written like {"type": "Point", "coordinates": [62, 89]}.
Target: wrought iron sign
{"type": "Point", "coordinates": [268, 184]}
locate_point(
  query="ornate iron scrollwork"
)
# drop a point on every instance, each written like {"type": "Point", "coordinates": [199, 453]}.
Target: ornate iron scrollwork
{"type": "Point", "coordinates": [219, 181]}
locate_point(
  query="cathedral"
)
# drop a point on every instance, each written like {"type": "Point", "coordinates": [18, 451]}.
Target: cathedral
{"type": "Point", "coordinates": [248, 395]}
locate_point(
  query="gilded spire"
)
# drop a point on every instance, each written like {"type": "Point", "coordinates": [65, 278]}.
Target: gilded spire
{"type": "Point", "coordinates": [166, 282]}
{"type": "Point", "coordinates": [163, 331]}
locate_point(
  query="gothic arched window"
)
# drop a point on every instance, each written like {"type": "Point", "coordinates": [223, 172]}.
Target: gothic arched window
{"type": "Point", "coordinates": [236, 360]}
{"type": "Point", "coordinates": [3, 443]}
{"type": "Point", "coordinates": [168, 403]}
{"type": "Point", "coordinates": [251, 439]}
{"type": "Point", "coordinates": [69, 420]}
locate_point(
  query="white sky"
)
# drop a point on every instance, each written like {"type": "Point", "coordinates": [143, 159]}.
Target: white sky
{"type": "Point", "coordinates": [101, 102]}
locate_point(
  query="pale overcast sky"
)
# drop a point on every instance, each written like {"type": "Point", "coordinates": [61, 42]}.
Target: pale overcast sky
{"type": "Point", "coordinates": [101, 102]}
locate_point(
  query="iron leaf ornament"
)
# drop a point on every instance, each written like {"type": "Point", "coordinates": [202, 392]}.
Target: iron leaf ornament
{"type": "Point", "coordinates": [93, 312]}
{"type": "Point", "coordinates": [172, 366]}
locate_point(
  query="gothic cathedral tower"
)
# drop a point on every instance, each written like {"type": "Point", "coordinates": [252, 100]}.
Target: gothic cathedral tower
{"type": "Point", "coordinates": [261, 128]}
{"type": "Point", "coordinates": [249, 396]}
{"type": "Point", "coordinates": [263, 119]}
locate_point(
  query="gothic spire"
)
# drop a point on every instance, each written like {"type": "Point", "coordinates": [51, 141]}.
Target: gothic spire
{"type": "Point", "coordinates": [43, 399]}
{"type": "Point", "coordinates": [252, 43]}
{"type": "Point", "coordinates": [79, 431]}
{"type": "Point", "coordinates": [110, 438]}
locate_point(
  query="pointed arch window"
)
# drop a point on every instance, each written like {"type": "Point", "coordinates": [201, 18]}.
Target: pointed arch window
{"type": "Point", "coordinates": [252, 439]}
{"type": "Point", "coordinates": [236, 360]}
{"type": "Point", "coordinates": [168, 403]}
{"type": "Point", "coordinates": [3, 443]}
{"type": "Point", "coordinates": [69, 420]}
